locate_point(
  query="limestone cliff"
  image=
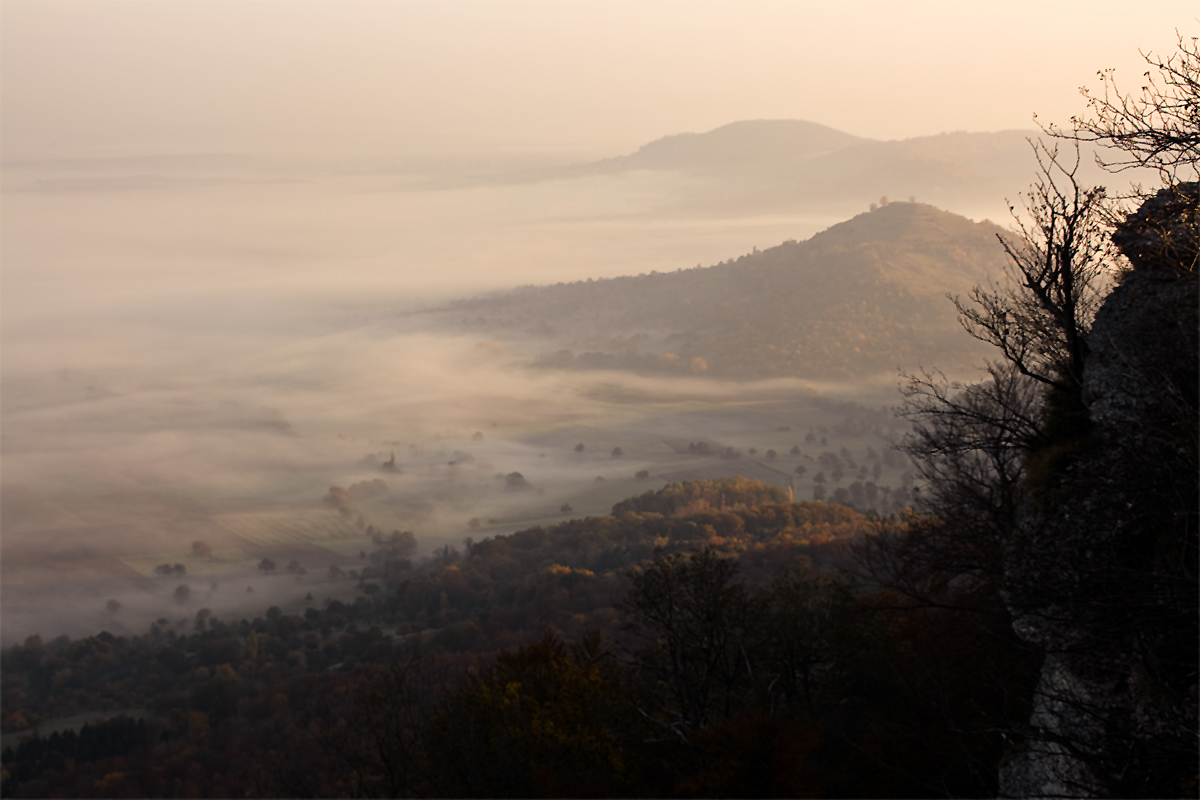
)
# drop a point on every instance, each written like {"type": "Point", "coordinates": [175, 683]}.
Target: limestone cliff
{"type": "Point", "coordinates": [1103, 573]}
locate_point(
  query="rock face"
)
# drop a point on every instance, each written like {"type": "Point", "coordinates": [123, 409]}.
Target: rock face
{"type": "Point", "coordinates": [1161, 235]}
{"type": "Point", "coordinates": [1103, 575]}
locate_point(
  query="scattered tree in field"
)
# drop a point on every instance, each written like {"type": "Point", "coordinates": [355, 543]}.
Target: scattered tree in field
{"type": "Point", "coordinates": [267, 565]}
{"type": "Point", "coordinates": [341, 498]}
{"type": "Point", "coordinates": [642, 474]}
{"type": "Point", "coordinates": [617, 452]}
{"type": "Point", "coordinates": [202, 618]}
{"type": "Point", "coordinates": [579, 448]}
{"type": "Point", "coordinates": [182, 593]}
{"type": "Point", "coordinates": [201, 549]}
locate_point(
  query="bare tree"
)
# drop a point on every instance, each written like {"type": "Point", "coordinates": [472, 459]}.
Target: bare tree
{"type": "Point", "coordinates": [699, 626]}
{"type": "Point", "coordinates": [1061, 266]}
{"type": "Point", "coordinates": [1157, 128]}
{"type": "Point", "coordinates": [967, 444]}
{"type": "Point", "coordinates": [973, 445]}
{"type": "Point", "coordinates": [1076, 524]}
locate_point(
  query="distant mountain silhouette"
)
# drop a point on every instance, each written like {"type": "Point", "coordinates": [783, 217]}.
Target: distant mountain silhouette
{"type": "Point", "coordinates": [768, 166]}
{"type": "Point", "coordinates": [749, 142]}
{"type": "Point", "coordinates": [863, 297]}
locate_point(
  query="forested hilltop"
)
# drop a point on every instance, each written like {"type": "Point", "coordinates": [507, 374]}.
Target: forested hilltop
{"type": "Point", "coordinates": [860, 299]}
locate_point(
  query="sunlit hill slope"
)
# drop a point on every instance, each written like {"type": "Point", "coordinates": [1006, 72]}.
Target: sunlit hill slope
{"type": "Point", "coordinates": [864, 297]}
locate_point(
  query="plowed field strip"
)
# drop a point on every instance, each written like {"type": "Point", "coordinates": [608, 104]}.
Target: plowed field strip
{"type": "Point", "coordinates": [280, 529]}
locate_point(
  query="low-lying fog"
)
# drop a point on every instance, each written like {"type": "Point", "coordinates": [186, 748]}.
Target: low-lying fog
{"type": "Point", "coordinates": [198, 349]}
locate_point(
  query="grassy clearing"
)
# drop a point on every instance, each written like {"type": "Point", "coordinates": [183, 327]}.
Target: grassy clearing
{"type": "Point", "coordinates": [284, 529]}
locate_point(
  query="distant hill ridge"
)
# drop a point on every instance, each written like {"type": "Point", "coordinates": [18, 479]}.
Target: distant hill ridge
{"type": "Point", "coordinates": [862, 298]}
{"type": "Point", "coordinates": [760, 166]}
{"type": "Point", "coordinates": [739, 142]}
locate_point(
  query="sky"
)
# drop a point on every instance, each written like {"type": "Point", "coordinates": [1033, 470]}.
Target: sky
{"type": "Point", "coordinates": [102, 78]}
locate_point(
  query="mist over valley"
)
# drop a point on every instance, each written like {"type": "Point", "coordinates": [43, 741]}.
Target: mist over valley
{"type": "Point", "coordinates": [198, 347]}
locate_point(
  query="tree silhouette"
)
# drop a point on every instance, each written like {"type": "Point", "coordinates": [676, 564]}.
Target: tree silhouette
{"type": "Point", "coordinates": [1157, 128]}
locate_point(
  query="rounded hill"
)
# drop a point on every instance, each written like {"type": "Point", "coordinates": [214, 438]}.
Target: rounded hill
{"type": "Point", "coordinates": [864, 297]}
{"type": "Point", "coordinates": [747, 141]}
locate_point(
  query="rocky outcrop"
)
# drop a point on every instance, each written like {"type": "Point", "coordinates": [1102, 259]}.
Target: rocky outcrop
{"type": "Point", "coordinates": [1161, 235]}
{"type": "Point", "coordinates": [1103, 574]}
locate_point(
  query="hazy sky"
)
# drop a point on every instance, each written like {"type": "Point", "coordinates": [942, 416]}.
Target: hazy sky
{"type": "Point", "coordinates": [100, 78]}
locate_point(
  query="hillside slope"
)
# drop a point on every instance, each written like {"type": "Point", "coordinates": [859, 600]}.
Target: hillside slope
{"type": "Point", "coordinates": [863, 297]}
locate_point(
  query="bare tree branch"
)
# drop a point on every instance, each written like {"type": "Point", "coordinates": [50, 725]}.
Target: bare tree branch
{"type": "Point", "coordinates": [1157, 128]}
